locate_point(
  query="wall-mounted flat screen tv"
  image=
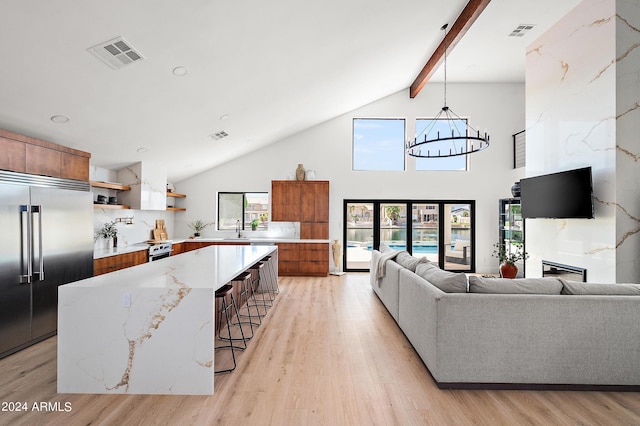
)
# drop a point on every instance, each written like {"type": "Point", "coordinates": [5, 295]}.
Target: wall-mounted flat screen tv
{"type": "Point", "coordinates": [563, 195]}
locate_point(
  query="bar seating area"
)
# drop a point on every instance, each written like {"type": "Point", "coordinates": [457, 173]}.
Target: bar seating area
{"type": "Point", "coordinates": [241, 307]}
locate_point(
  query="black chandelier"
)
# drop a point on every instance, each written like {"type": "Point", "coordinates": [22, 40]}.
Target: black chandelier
{"type": "Point", "coordinates": [463, 140]}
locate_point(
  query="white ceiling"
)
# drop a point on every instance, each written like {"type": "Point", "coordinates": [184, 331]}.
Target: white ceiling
{"type": "Point", "coordinates": [275, 68]}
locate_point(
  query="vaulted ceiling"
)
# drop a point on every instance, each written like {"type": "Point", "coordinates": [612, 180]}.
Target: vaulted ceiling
{"type": "Point", "coordinates": [258, 71]}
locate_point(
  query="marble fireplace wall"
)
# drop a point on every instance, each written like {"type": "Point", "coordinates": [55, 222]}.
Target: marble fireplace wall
{"type": "Point", "coordinates": [582, 94]}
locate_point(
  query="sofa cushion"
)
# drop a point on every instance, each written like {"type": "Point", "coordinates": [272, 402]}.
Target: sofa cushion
{"type": "Point", "coordinates": [449, 282]}
{"type": "Point", "coordinates": [515, 286]}
{"type": "Point", "coordinates": [580, 288]}
{"type": "Point", "coordinates": [405, 260]}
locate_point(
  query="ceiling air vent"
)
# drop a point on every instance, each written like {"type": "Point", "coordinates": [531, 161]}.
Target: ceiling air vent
{"type": "Point", "coordinates": [521, 30]}
{"type": "Point", "coordinates": [116, 53]}
{"type": "Point", "coordinates": [219, 135]}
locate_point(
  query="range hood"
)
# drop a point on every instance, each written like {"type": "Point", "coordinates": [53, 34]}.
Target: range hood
{"type": "Point", "coordinates": [148, 182]}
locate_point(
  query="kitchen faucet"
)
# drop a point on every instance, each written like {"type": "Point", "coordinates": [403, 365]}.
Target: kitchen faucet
{"type": "Point", "coordinates": [238, 228]}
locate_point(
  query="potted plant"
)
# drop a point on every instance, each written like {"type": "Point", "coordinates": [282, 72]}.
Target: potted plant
{"type": "Point", "coordinates": [508, 268]}
{"type": "Point", "coordinates": [198, 226]}
{"type": "Point", "coordinates": [109, 230]}
{"type": "Point", "coordinates": [254, 224]}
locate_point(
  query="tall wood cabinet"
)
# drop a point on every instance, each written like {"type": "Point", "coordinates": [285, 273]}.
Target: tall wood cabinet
{"type": "Point", "coordinates": [25, 154]}
{"type": "Point", "coordinates": [306, 202]}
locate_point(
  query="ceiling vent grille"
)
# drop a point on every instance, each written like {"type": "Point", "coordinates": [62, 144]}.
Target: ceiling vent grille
{"type": "Point", "coordinates": [116, 53]}
{"type": "Point", "coordinates": [219, 135]}
{"type": "Point", "coordinates": [521, 30]}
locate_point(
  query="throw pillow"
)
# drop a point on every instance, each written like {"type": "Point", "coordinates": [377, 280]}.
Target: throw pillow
{"type": "Point", "coordinates": [580, 288]}
{"type": "Point", "coordinates": [409, 262]}
{"type": "Point", "coordinates": [516, 286]}
{"type": "Point", "coordinates": [449, 282]}
{"type": "Point", "coordinates": [385, 248]}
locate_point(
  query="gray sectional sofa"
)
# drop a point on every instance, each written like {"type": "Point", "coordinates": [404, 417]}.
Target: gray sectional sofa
{"type": "Point", "coordinates": [529, 333]}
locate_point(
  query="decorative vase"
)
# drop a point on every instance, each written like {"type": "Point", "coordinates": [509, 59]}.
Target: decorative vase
{"type": "Point", "coordinates": [254, 227]}
{"type": "Point", "coordinates": [515, 190]}
{"type": "Point", "coordinates": [115, 241]}
{"type": "Point", "coordinates": [508, 271]}
{"type": "Point", "coordinates": [336, 249]}
{"type": "Point", "coordinates": [311, 174]}
{"type": "Point", "coordinates": [196, 234]}
{"type": "Point", "coordinates": [300, 173]}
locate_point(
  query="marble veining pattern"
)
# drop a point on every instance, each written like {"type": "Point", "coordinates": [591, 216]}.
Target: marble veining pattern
{"type": "Point", "coordinates": [163, 342]}
{"type": "Point", "coordinates": [583, 109]}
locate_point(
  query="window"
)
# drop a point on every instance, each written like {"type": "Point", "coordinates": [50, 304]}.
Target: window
{"type": "Point", "coordinates": [442, 231]}
{"type": "Point", "coordinates": [249, 208]}
{"type": "Point", "coordinates": [447, 163]}
{"type": "Point", "coordinates": [378, 144]}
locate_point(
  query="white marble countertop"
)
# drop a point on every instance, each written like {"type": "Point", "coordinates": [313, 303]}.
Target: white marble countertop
{"type": "Point", "coordinates": [147, 329]}
{"type": "Point", "coordinates": [100, 253]}
{"type": "Point", "coordinates": [208, 267]}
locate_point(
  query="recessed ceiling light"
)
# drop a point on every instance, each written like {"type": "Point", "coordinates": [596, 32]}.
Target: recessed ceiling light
{"type": "Point", "coordinates": [224, 117]}
{"type": "Point", "coordinates": [142, 149]}
{"type": "Point", "coordinates": [179, 71]}
{"type": "Point", "coordinates": [59, 118]}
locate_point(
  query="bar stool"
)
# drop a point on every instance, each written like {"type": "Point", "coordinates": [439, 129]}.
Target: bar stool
{"type": "Point", "coordinates": [256, 272]}
{"type": "Point", "coordinates": [244, 281]}
{"type": "Point", "coordinates": [267, 279]}
{"type": "Point", "coordinates": [222, 293]}
{"type": "Point", "coordinates": [273, 273]}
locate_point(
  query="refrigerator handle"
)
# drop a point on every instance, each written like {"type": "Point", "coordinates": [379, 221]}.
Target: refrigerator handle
{"type": "Point", "coordinates": [25, 211]}
{"type": "Point", "coordinates": [39, 275]}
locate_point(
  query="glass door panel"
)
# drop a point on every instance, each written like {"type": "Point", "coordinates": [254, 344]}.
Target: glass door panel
{"type": "Point", "coordinates": [425, 231]}
{"type": "Point", "coordinates": [393, 225]}
{"type": "Point", "coordinates": [359, 226]}
{"type": "Point", "coordinates": [457, 236]}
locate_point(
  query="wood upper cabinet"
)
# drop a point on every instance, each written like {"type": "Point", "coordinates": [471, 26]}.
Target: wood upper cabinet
{"type": "Point", "coordinates": [300, 201]}
{"type": "Point", "coordinates": [25, 154]}
{"type": "Point", "coordinates": [13, 155]}
{"type": "Point", "coordinates": [285, 201]}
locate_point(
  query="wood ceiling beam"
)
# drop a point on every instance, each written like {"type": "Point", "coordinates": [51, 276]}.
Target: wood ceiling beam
{"type": "Point", "coordinates": [467, 17]}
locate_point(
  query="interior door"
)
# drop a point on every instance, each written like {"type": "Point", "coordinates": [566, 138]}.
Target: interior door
{"type": "Point", "coordinates": [63, 227]}
{"type": "Point", "coordinates": [15, 299]}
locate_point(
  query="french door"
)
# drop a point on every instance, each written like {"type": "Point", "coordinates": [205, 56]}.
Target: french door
{"type": "Point", "coordinates": [440, 230]}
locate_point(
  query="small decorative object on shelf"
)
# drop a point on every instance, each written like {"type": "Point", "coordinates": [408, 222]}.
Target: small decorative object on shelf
{"type": "Point", "coordinates": [311, 174]}
{"type": "Point", "coordinates": [508, 268]}
{"type": "Point", "coordinates": [254, 224]}
{"type": "Point", "coordinates": [515, 190]}
{"type": "Point", "coordinates": [300, 172]}
{"type": "Point", "coordinates": [198, 226]}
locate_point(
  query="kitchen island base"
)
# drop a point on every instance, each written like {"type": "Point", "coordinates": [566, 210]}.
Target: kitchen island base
{"type": "Point", "coordinates": [147, 329]}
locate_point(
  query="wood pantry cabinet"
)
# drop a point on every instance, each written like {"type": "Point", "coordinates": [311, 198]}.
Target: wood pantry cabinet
{"type": "Point", "coordinates": [104, 265]}
{"type": "Point", "coordinates": [25, 154]}
{"type": "Point", "coordinates": [306, 202]}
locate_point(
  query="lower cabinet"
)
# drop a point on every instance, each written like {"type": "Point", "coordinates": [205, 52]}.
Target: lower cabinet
{"type": "Point", "coordinates": [303, 259]}
{"type": "Point", "coordinates": [104, 265]}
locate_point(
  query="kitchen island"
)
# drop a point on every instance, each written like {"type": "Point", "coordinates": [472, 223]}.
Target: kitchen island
{"type": "Point", "coordinates": [147, 329]}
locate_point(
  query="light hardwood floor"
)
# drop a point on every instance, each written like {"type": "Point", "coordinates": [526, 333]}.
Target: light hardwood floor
{"type": "Point", "coordinates": [328, 353]}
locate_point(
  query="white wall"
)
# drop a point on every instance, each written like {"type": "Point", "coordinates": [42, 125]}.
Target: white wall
{"type": "Point", "coordinates": [326, 148]}
{"type": "Point", "coordinates": [582, 93]}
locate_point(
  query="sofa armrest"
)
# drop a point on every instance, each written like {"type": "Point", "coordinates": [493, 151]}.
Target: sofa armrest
{"type": "Point", "coordinates": [418, 316]}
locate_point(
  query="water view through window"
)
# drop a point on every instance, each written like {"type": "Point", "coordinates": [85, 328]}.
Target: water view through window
{"type": "Point", "coordinates": [432, 227]}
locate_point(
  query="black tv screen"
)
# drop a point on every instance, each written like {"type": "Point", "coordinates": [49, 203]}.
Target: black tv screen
{"type": "Point", "coordinates": [561, 195]}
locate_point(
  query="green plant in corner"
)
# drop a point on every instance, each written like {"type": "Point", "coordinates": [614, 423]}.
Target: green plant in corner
{"type": "Point", "coordinates": [510, 258]}
{"type": "Point", "coordinates": [254, 224]}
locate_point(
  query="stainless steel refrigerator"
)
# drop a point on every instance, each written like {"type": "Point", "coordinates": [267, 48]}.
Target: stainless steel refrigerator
{"type": "Point", "coordinates": [46, 240]}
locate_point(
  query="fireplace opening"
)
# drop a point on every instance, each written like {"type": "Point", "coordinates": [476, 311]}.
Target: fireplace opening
{"type": "Point", "coordinates": [567, 272]}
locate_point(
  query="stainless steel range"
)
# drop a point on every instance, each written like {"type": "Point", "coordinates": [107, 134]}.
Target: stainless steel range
{"type": "Point", "coordinates": [159, 251]}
